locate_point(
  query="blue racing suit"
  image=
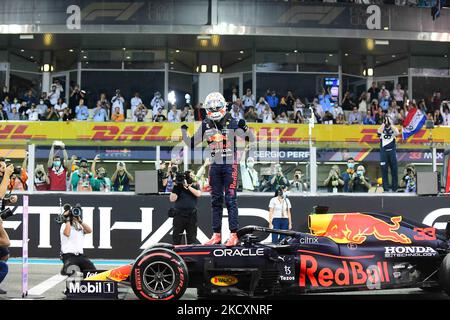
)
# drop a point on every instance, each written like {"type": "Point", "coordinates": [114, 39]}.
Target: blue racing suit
{"type": "Point", "coordinates": [221, 137]}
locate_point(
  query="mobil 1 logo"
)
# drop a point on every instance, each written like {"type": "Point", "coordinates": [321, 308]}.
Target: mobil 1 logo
{"type": "Point", "coordinates": [89, 289]}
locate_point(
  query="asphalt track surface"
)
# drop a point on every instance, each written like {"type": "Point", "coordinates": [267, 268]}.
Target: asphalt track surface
{"type": "Point", "coordinates": [46, 281]}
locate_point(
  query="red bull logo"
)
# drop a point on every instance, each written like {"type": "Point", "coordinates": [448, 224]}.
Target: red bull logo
{"type": "Point", "coordinates": [356, 227]}
{"type": "Point", "coordinates": [352, 273]}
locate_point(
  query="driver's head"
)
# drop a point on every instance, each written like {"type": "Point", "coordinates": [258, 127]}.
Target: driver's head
{"type": "Point", "coordinates": [215, 106]}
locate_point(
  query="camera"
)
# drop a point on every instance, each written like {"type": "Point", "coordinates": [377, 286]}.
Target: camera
{"type": "Point", "coordinates": [183, 177]}
{"type": "Point", "coordinates": [75, 211]}
{"type": "Point", "coordinates": [17, 170]}
{"type": "Point", "coordinates": [6, 213]}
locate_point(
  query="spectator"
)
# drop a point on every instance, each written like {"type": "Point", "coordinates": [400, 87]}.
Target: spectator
{"type": "Point", "coordinates": [325, 100]}
{"type": "Point", "coordinates": [117, 116]}
{"type": "Point", "coordinates": [234, 95]}
{"type": "Point", "coordinates": [334, 181]}
{"type": "Point", "coordinates": [379, 116]}
{"type": "Point", "coordinates": [282, 118]}
{"type": "Point", "coordinates": [157, 103]}
{"type": "Point", "coordinates": [437, 118]}
{"type": "Point", "coordinates": [100, 182]}
{"type": "Point", "coordinates": [272, 101]}
{"type": "Point", "coordinates": [16, 105]}
{"type": "Point", "coordinates": [408, 181]}
{"type": "Point", "coordinates": [362, 102]}
{"type": "Point", "coordinates": [358, 181]}
{"type": "Point", "coordinates": [278, 180]}
{"type": "Point", "coordinates": [41, 179]}
{"type": "Point", "coordinates": [355, 116]}
{"type": "Point", "coordinates": [82, 179]}
{"type": "Point", "coordinates": [290, 101]}
{"type": "Point", "coordinates": [446, 115]}
{"type": "Point", "coordinates": [60, 106]}
{"type": "Point", "coordinates": [199, 112]}
{"type": "Point", "coordinates": [280, 214]}
{"type": "Point", "coordinates": [23, 111]}
{"type": "Point", "coordinates": [268, 115]}
{"type": "Point", "coordinates": [318, 109]}
{"type": "Point", "coordinates": [378, 188]}
{"type": "Point", "coordinates": [174, 114]}
{"type": "Point", "coordinates": [248, 100]}
{"type": "Point", "coordinates": [117, 101]}
{"type": "Point", "coordinates": [384, 99]}
{"type": "Point", "coordinates": [392, 113]}
{"type": "Point", "coordinates": [51, 114]}
{"type": "Point", "coordinates": [249, 175]}
{"type": "Point", "coordinates": [57, 169]}
{"type": "Point", "coordinates": [237, 110]}
{"type": "Point", "coordinates": [260, 107]}
{"type": "Point", "coordinates": [100, 114]}
{"type": "Point", "coordinates": [346, 176]}
{"type": "Point", "coordinates": [190, 117]}
{"type": "Point", "coordinates": [121, 178]}
{"type": "Point", "coordinates": [368, 118]}
{"type": "Point", "coordinates": [135, 102]}
{"type": "Point", "coordinates": [162, 177]}
{"type": "Point", "coordinates": [340, 119]}
{"type": "Point", "coordinates": [184, 113]}
{"type": "Point", "coordinates": [347, 102]}
{"type": "Point", "coordinates": [399, 95]}
{"type": "Point", "coordinates": [41, 109]}
{"type": "Point", "coordinates": [283, 106]}
{"type": "Point", "coordinates": [33, 114]}
{"type": "Point", "coordinates": [251, 115]}
{"type": "Point", "coordinates": [436, 100]}
{"type": "Point", "coordinates": [141, 112]}
{"type": "Point", "coordinates": [81, 111]}
{"type": "Point", "coordinates": [55, 92]}
{"type": "Point", "coordinates": [172, 169]}
{"type": "Point", "coordinates": [297, 184]}
{"type": "Point", "coordinates": [298, 118]}
{"type": "Point", "coordinates": [159, 116]}
{"type": "Point", "coordinates": [19, 182]}
{"type": "Point", "coordinates": [373, 92]}
{"type": "Point", "coordinates": [75, 96]}
{"type": "Point", "coordinates": [327, 118]}
{"type": "Point", "coordinates": [336, 110]}
{"type": "Point", "coordinates": [106, 105]}
{"type": "Point", "coordinates": [14, 115]}
{"type": "Point", "coordinates": [298, 106]}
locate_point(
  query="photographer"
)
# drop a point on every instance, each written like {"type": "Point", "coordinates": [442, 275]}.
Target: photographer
{"type": "Point", "coordinates": [118, 101]}
{"type": "Point", "coordinates": [82, 179]}
{"type": "Point", "coordinates": [121, 178]}
{"type": "Point", "coordinates": [101, 182]}
{"type": "Point", "coordinates": [157, 102]}
{"type": "Point", "coordinates": [334, 181]}
{"type": "Point", "coordinates": [298, 185]}
{"type": "Point", "coordinates": [162, 177]}
{"type": "Point", "coordinates": [348, 173]}
{"type": "Point", "coordinates": [5, 175]}
{"type": "Point", "coordinates": [358, 181]}
{"type": "Point", "coordinates": [72, 234]}
{"type": "Point", "coordinates": [278, 179]}
{"type": "Point", "coordinates": [388, 153]}
{"type": "Point", "coordinates": [408, 180]}
{"type": "Point", "coordinates": [41, 179]}
{"type": "Point", "coordinates": [185, 195]}
{"type": "Point", "coordinates": [18, 180]}
{"type": "Point", "coordinates": [171, 174]}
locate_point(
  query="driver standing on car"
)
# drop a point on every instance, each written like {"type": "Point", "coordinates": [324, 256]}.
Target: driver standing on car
{"type": "Point", "coordinates": [72, 242]}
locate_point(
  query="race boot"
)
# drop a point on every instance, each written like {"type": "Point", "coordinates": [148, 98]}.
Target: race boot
{"type": "Point", "coordinates": [232, 240]}
{"type": "Point", "coordinates": [216, 239]}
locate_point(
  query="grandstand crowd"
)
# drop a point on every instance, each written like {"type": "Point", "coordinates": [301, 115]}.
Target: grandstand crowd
{"type": "Point", "coordinates": [368, 109]}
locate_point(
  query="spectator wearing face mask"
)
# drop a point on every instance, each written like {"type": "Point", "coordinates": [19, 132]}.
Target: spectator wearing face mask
{"type": "Point", "coordinates": [41, 109]}
{"type": "Point", "coordinates": [249, 175]}
{"type": "Point", "coordinates": [32, 113]}
{"type": "Point", "coordinates": [297, 185]}
{"type": "Point", "coordinates": [278, 180]}
{"type": "Point", "coordinates": [101, 182]}
{"type": "Point", "coordinates": [346, 176]}
{"type": "Point", "coordinates": [57, 168]}
{"type": "Point", "coordinates": [157, 102]}
{"type": "Point", "coordinates": [359, 182]}
{"type": "Point", "coordinates": [280, 214]}
{"type": "Point", "coordinates": [82, 179]}
{"type": "Point", "coordinates": [121, 178]}
{"type": "Point", "coordinates": [41, 179]}
{"type": "Point", "coordinates": [334, 181]}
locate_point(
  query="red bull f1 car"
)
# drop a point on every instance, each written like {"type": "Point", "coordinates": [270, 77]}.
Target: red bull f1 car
{"type": "Point", "coordinates": [341, 251]}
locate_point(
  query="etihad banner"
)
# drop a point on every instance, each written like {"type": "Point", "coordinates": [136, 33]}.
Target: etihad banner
{"type": "Point", "coordinates": [168, 134]}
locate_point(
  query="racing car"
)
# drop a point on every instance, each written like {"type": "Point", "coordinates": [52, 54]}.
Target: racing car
{"type": "Point", "coordinates": [341, 251]}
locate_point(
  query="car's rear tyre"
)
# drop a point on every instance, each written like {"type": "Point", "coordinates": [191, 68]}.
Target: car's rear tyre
{"type": "Point", "coordinates": [444, 274]}
{"type": "Point", "coordinates": [159, 274]}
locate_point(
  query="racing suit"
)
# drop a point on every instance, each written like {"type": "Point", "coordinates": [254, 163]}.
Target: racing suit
{"type": "Point", "coordinates": [222, 138]}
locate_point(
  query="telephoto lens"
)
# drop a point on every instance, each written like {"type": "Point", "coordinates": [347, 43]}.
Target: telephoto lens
{"type": "Point", "coordinates": [5, 214]}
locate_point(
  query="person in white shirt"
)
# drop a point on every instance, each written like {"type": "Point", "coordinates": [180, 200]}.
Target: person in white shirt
{"type": "Point", "coordinates": [41, 108]}
{"type": "Point", "coordinates": [445, 115]}
{"type": "Point", "coordinates": [249, 99]}
{"type": "Point", "coordinates": [318, 107]}
{"type": "Point", "coordinates": [282, 118]}
{"type": "Point", "coordinates": [60, 106]}
{"type": "Point", "coordinates": [174, 114]}
{"type": "Point", "coordinates": [249, 175]}
{"type": "Point", "coordinates": [33, 114]}
{"type": "Point", "coordinates": [267, 115]}
{"type": "Point", "coordinates": [399, 95]}
{"type": "Point", "coordinates": [157, 102]}
{"type": "Point", "coordinates": [298, 106]}
{"type": "Point", "coordinates": [260, 107]}
{"type": "Point", "coordinates": [237, 111]}
{"type": "Point", "coordinates": [118, 101]}
{"type": "Point", "coordinates": [72, 233]}
{"type": "Point", "coordinates": [336, 111]}
{"type": "Point", "coordinates": [280, 214]}
{"type": "Point", "coordinates": [190, 115]}
{"type": "Point", "coordinates": [55, 93]}
{"type": "Point", "coordinates": [135, 102]}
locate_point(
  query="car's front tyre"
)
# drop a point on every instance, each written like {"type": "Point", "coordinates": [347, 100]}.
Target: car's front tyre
{"type": "Point", "coordinates": [159, 274]}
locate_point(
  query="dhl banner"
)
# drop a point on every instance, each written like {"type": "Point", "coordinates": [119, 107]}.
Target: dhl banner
{"type": "Point", "coordinates": [144, 133]}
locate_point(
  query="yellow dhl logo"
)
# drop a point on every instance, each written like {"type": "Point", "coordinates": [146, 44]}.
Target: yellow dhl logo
{"type": "Point", "coordinates": [224, 280]}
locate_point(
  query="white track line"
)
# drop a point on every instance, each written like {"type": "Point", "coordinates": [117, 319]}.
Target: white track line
{"type": "Point", "coordinates": [46, 285]}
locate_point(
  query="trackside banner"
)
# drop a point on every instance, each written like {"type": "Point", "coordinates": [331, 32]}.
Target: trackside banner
{"type": "Point", "coordinates": [170, 133]}
{"type": "Point", "coordinates": [123, 225]}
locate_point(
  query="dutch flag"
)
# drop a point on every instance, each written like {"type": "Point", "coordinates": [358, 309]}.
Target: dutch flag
{"type": "Point", "coordinates": [413, 123]}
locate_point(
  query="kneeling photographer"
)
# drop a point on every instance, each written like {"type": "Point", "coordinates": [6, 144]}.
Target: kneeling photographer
{"type": "Point", "coordinates": [185, 195]}
{"type": "Point", "coordinates": [72, 234]}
